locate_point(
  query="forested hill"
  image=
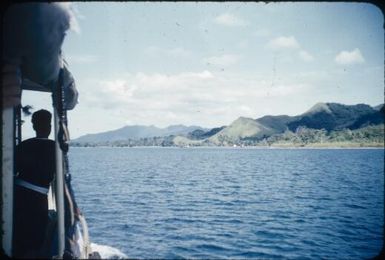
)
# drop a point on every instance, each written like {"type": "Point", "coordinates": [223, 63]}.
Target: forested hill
{"type": "Point", "coordinates": [323, 124]}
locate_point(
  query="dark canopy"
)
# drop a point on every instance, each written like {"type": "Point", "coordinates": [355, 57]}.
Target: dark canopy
{"type": "Point", "coordinates": [33, 35]}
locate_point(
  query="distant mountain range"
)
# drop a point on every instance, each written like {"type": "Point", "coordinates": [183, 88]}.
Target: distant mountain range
{"type": "Point", "coordinates": [330, 117]}
{"type": "Point", "coordinates": [137, 132]}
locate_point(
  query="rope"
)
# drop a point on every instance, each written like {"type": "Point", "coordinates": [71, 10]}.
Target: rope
{"type": "Point", "coordinates": [72, 211]}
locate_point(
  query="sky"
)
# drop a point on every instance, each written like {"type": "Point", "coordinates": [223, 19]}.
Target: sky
{"type": "Point", "coordinates": [208, 63]}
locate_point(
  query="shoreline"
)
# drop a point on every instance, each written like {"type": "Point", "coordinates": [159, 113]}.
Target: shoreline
{"type": "Point", "coordinates": [246, 147]}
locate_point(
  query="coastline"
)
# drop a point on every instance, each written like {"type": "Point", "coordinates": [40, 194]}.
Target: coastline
{"type": "Point", "coordinates": [276, 147]}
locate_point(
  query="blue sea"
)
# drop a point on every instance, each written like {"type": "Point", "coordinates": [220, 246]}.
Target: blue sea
{"type": "Point", "coordinates": [232, 202]}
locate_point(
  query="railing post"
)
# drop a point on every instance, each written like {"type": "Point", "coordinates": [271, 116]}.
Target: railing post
{"type": "Point", "coordinates": [8, 137]}
{"type": "Point", "coordinates": [59, 188]}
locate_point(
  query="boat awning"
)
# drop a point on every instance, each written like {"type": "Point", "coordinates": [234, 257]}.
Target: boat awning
{"type": "Point", "coordinates": [33, 34]}
{"type": "Point", "coordinates": [30, 85]}
{"type": "Point", "coordinates": [70, 91]}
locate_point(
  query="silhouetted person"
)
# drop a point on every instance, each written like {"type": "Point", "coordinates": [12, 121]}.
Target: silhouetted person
{"type": "Point", "coordinates": [35, 167]}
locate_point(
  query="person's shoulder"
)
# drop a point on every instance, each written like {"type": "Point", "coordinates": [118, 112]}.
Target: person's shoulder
{"type": "Point", "coordinates": [47, 140]}
{"type": "Point", "coordinates": [36, 141]}
{"type": "Point", "coordinates": [26, 145]}
{"type": "Point", "coordinates": [27, 142]}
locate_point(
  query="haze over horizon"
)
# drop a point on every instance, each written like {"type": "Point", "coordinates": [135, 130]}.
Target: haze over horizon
{"type": "Point", "coordinates": [206, 64]}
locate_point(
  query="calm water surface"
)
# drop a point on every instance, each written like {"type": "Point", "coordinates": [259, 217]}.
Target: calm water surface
{"type": "Point", "coordinates": [233, 203]}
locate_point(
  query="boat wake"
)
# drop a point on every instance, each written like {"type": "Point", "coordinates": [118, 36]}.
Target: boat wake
{"type": "Point", "coordinates": [108, 252]}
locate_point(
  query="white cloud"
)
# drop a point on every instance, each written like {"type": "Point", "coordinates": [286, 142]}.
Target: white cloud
{"type": "Point", "coordinates": [283, 42]}
{"type": "Point", "coordinates": [224, 60]}
{"type": "Point", "coordinates": [229, 20]}
{"type": "Point", "coordinates": [201, 98]}
{"type": "Point", "coordinates": [120, 88]}
{"type": "Point", "coordinates": [289, 43]}
{"type": "Point", "coordinates": [349, 57]}
{"type": "Point", "coordinates": [304, 55]}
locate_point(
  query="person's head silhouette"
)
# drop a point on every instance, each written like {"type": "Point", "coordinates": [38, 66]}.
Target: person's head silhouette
{"type": "Point", "coordinates": [41, 121]}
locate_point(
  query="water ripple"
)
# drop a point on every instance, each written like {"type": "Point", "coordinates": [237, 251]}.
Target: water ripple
{"type": "Point", "coordinates": [232, 203]}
